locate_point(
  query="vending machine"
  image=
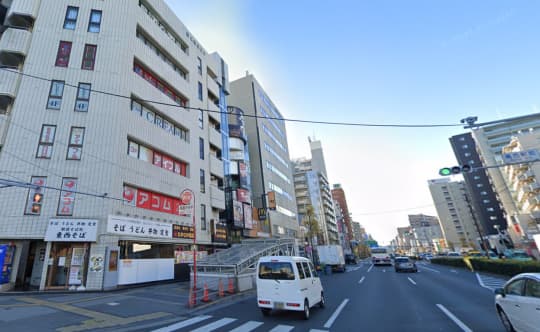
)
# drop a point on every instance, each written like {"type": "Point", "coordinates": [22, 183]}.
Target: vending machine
{"type": "Point", "coordinates": [6, 261]}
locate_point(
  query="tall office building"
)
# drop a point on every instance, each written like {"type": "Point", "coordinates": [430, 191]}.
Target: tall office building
{"type": "Point", "coordinates": [101, 116]}
{"type": "Point", "coordinates": [271, 173]}
{"type": "Point", "coordinates": [457, 222]}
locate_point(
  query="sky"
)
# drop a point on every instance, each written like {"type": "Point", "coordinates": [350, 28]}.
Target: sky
{"type": "Point", "coordinates": [379, 62]}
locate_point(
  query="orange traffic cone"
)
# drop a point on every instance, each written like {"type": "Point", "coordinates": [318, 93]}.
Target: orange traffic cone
{"type": "Point", "coordinates": [220, 289]}
{"type": "Point", "coordinates": [231, 286]}
{"type": "Point", "coordinates": [205, 294]}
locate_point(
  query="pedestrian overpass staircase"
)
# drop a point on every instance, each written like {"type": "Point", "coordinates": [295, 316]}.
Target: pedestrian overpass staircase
{"type": "Point", "coordinates": [234, 268]}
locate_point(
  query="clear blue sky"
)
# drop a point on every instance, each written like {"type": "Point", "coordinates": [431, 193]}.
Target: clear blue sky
{"type": "Point", "coordinates": [399, 62]}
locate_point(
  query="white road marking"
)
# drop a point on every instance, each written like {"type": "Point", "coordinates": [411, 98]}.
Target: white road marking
{"type": "Point", "coordinates": [459, 323]}
{"type": "Point", "coordinates": [428, 268]}
{"type": "Point", "coordinates": [215, 325]}
{"type": "Point", "coordinates": [182, 324]}
{"type": "Point", "coordinates": [336, 313]}
{"type": "Point", "coordinates": [360, 281]}
{"type": "Point", "coordinates": [490, 282]}
{"type": "Point", "coordinates": [384, 270]}
{"type": "Point", "coordinates": [282, 328]}
{"type": "Point", "coordinates": [112, 304]}
{"type": "Point", "coordinates": [246, 327]}
{"type": "Point", "coordinates": [315, 330]}
{"type": "Point", "coordinates": [370, 268]}
{"type": "Point", "coordinates": [412, 281]}
{"type": "Point", "coordinates": [453, 271]}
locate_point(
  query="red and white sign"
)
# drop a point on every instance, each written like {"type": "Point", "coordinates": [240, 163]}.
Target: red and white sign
{"type": "Point", "coordinates": [148, 200]}
{"type": "Point", "coordinates": [243, 195]}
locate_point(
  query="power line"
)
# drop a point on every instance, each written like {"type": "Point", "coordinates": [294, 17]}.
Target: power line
{"type": "Point", "coordinates": [357, 124]}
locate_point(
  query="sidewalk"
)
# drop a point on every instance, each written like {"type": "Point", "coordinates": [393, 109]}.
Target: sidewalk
{"type": "Point", "coordinates": [114, 310]}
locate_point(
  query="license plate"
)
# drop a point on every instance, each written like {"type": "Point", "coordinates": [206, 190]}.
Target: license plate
{"type": "Point", "coordinates": [278, 305]}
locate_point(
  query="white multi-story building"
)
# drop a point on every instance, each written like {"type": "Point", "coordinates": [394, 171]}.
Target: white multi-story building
{"type": "Point", "coordinates": [493, 142]}
{"type": "Point", "coordinates": [455, 216]}
{"type": "Point", "coordinates": [99, 113]}
{"type": "Point", "coordinates": [271, 173]}
{"type": "Point", "coordinates": [426, 230]}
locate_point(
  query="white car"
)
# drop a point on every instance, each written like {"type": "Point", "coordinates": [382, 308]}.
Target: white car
{"type": "Point", "coordinates": [288, 283]}
{"type": "Point", "coordinates": [518, 303]}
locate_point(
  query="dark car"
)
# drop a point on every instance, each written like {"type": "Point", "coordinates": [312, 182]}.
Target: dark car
{"type": "Point", "coordinates": [405, 264]}
{"type": "Point", "coordinates": [350, 259]}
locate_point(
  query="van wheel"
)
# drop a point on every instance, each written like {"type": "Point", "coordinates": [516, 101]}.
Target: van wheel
{"type": "Point", "coordinates": [306, 309]}
{"type": "Point", "coordinates": [322, 303]}
{"type": "Point", "coordinates": [265, 311]}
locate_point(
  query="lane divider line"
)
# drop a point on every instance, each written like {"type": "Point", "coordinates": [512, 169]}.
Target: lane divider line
{"type": "Point", "coordinates": [370, 268]}
{"type": "Point", "coordinates": [456, 320]}
{"type": "Point", "coordinates": [412, 281]}
{"type": "Point", "coordinates": [336, 313]}
{"type": "Point", "coordinates": [360, 281]}
{"type": "Point", "coordinates": [428, 268]}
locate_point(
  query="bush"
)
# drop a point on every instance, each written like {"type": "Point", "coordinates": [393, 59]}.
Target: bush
{"type": "Point", "coordinates": [506, 267]}
{"type": "Point", "coordinates": [458, 261]}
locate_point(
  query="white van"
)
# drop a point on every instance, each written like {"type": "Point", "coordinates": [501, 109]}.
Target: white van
{"type": "Point", "coordinates": [288, 283]}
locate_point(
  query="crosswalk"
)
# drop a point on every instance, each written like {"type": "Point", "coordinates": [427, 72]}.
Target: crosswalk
{"type": "Point", "coordinates": [488, 282]}
{"type": "Point", "coordinates": [207, 323]}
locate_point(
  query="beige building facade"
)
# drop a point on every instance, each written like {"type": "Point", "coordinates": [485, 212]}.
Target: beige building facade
{"type": "Point", "coordinates": [99, 115]}
{"type": "Point", "coordinates": [457, 223]}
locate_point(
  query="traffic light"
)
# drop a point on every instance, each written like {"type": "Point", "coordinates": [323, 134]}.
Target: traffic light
{"type": "Point", "coordinates": [455, 170]}
{"type": "Point", "coordinates": [36, 203]}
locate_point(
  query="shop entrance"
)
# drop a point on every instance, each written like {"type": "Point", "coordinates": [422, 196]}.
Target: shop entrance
{"type": "Point", "coordinates": [68, 264]}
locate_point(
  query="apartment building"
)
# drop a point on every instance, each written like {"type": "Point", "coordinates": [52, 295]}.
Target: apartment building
{"type": "Point", "coordinates": [459, 228]}
{"type": "Point", "coordinates": [427, 233]}
{"type": "Point", "coordinates": [271, 173]}
{"type": "Point", "coordinates": [312, 188]}
{"type": "Point", "coordinates": [102, 115]}
{"type": "Point", "coordinates": [490, 141]}
{"type": "Point", "coordinates": [338, 195]}
{"type": "Point", "coordinates": [522, 155]}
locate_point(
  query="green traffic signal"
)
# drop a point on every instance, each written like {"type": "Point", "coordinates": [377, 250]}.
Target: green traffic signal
{"type": "Point", "coordinates": [445, 171]}
{"type": "Point", "coordinates": [455, 170]}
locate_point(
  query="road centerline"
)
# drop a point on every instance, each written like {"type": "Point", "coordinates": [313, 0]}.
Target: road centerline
{"type": "Point", "coordinates": [336, 313]}
{"type": "Point", "coordinates": [369, 269]}
{"type": "Point", "coordinates": [456, 320]}
{"type": "Point", "coordinates": [412, 281]}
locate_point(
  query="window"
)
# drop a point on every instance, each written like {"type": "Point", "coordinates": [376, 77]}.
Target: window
{"type": "Point", "coordinates": [532, 288]}
{"type": "Point", "coordinates": [55, 95]}
{"type": "Point", "coordinates": [464, 146]}
{"type": "Point", "coordinates": [201, 119]}
{"type": "Point", "coordinates": [492, 217]}
{"type": "Point", "coordinates": [515, 288]}
{"type": "Point", "coordinates": [203, 217]}
{"type": "Point", "coordinates": [300, 270]}
{"type": "Point", "coordinates": [46, 141]}
{"type": "Point", "coordinates": [201, 148]}
{"type": "Point", "coordinates": [89, 57]}
{"type": "Point", "coordinates": [200, 90]}
{"type": "Point", "coordinates": [62, 57]}
{"type": "Point", "coordinates": [199, 65]}
{"type": "Point", "coordinates": [33, 203]}
{"type": "Point", "coordinates": [307, 270]}
{"type": "Point", "coordinates": [477, 177]}
{"type": "Point", "coordinates": [467, 154]}
{"type": "Point", "coordinates": [83, 97]}
{"type": "Point", "coordinates": [66, 201]}
{"type": "Point", "coordinates": [202, 181]}
{"type": "Point", "coordinates": [486, 201]}
{"type": "Point", "coordinates": [95, 21]}
{"type": "Point", "coordinates": [71, 17]}
{"type": "Point", "coordinates": [479, 185]}
{"type": "Point", "coordinates": [490, 209]}
{"type": "Point", "coordinates": [161, 160]}
{"type": "Point", "coordinates": [483, 193]}
{"type": "Point", "coordinates": [76, 139]}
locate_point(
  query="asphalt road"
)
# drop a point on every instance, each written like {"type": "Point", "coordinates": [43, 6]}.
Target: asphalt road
{"type": "Point", "coordinates": [365, 298]}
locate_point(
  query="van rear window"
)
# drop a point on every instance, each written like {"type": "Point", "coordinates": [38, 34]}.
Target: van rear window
{"type": "Point", "coordinates": [276, 270]}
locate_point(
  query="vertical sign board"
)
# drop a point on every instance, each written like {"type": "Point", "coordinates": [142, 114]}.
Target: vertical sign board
{"type": "Point", "coordinates": [238, 214]}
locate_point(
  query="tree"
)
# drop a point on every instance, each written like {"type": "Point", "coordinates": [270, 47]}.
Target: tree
{"type": "Point", "coordinates": [312, 225]}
